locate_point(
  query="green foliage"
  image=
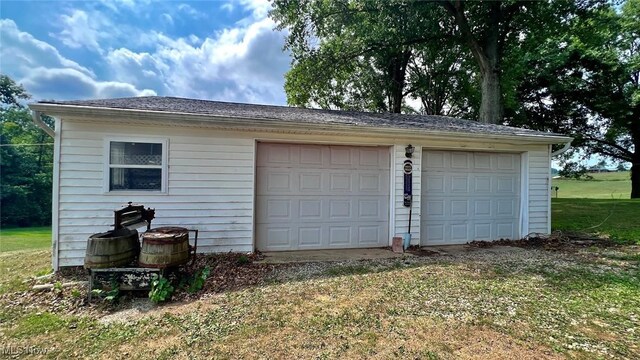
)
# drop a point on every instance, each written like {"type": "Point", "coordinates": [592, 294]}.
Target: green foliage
{"type": "Point", "coordinates": [197, 282]}
{"type": "Point", "coordinates": [585, 81]}
{"type": "Point", "coordinates": [75, 293]}
{"type": "Point", "coordinates": [26, 162]}
{"type": "Point", "coordinates": [10, 92]}
{"type": "Point", "coordinates": [57, 287]}
{"type": "Point", "coordinates": [161, 289]}
{"type": "Point", "coordinates": [112, 295]}
{"type": "Point", "coordinates": [243, 260]}
{"type": "Point", "coordinates": [372, 55]}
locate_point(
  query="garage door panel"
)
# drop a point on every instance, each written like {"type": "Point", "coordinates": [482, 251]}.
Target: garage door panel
{"type": "Point", "coordinates": [482, 161]}
{"type": "Point", "coordinates": [482, 184]}
{"type": "Point", "coordinates": [310, 181]}
{"type": "Point", "coordinates": [310, 236]}
{"type": "Point", "coordinates": [469, 196]}
{"type": "Point", "coordinates": [333, 197]}
{"type": "Point", "coordinates": [310, 209]}
{"type": "Point", "coordinates": [482, 230]}
{"type": "Point", "coordinates": [277, 237]}
{"type": "Point", "coordinates": [311, 155]}
{"type": "Point", "coordinates": [460, 160]}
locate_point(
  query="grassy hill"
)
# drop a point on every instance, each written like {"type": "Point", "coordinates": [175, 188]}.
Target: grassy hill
{"type": "Point", "coordinates": [614, 185]}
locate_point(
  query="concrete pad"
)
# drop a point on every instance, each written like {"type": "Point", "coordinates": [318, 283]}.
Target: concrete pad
{"type": "Point", "coordinates": [283, 257]}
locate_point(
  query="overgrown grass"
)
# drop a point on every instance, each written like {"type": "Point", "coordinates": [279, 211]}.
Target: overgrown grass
{"type": "Point", "coordinates": [480, 306]}
{"type": "Point", "coordinates": [614, 185]}
{"type": "Point", "coordinates": [33, 238]}
{"type": "Point", "coordinates": [617, 219]}
{"type": "Point", "coordinates": [17, 266]}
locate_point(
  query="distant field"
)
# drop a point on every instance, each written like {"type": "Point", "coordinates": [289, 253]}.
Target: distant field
{"type": "Point", "coordinates": [614, 185]}
{"type": "Point", "coordinates": [34, 238]}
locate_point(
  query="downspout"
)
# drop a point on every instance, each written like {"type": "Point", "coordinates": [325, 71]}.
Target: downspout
{"type": "Point", "coordinates": [35, 116]}
{"type": "Point", "coordinates": [563, 150]}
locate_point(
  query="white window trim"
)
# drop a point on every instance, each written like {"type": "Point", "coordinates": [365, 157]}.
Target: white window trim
{"type": "Point", "coordinates": [164, 167]}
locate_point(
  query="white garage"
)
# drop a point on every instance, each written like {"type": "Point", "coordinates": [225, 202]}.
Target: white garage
{"type": "Point", "coordinates": [470, 196]}
{"type": "Point", "coordinates": [275, 178]}
{"type": "Point", "coordinates": [321, 196]}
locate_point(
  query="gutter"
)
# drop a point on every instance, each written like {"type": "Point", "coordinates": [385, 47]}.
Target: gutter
{"type": "Point", "coordinates": [35, 117]}
{"type": "Point", "coordinates": [566, 147]}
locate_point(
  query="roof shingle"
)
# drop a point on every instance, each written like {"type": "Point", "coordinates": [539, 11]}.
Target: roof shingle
{"type": "Point", "coordinates": [246, 112]}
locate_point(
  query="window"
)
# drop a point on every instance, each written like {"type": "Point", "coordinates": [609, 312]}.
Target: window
{"type": "Point", "coordinates": [136, 165]}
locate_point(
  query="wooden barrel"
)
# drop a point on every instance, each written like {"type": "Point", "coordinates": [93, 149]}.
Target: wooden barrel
{"type": "Point", "coordinates": [164, 247]}
{"type": "Point", "coordinates": [113, 248]}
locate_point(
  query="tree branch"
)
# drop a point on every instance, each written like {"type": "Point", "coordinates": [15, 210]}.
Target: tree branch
{"type": "Point", "coordinates": [607, 143]}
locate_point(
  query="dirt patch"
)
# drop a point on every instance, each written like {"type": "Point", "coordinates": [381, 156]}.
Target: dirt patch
{"type": "Point", "coordinates": [421, 251]}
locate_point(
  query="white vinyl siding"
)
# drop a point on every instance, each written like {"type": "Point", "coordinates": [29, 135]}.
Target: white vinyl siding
{"type": "Point", "coordinates": [210, 182]}
{"type": "Point", "coordinates": [402, 212]}
{"type": "Point", "coordinates": [539, 190]}
{"type": "Point", "coordinates": [209, 186]}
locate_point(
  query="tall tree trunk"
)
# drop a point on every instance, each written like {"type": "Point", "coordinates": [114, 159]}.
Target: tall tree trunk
{"type": "Point", "coordinates": [635, 174]}
{"type": "Point", "coordinates": [491, 106]}
{"type": "Point", "coordinates": [398, 74]}
{"type": "Point", "coordinates": [486, 49]}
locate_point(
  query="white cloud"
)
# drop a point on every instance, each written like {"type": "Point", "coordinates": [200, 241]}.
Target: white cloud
{"type": "Point", "coordinates": [80, 29]}
{"type": "Point", "coordinates": [45, 73]}
{"type": "Point", "coordinates": [243, 62]}
{"type": "Point", "coordinates": [237, 64]}
{"type": "Point", "coordinates": [189, 10]}
{"type": "Point", "coordinates": [71, 84]}
{"type": "Point", "coordinates": [167, 18]}
{"type": "Point", "coordinates": [227, 6]}
{"type": "Point", "coordinates": [20, 51]}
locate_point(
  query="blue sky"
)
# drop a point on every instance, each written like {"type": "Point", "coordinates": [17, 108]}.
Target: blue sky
{"type": "Point", "coordinates": [220, 50]}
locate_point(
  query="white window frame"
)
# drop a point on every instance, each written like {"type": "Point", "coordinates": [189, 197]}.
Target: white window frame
{"type": "Point", "coordinates": [146, 140]}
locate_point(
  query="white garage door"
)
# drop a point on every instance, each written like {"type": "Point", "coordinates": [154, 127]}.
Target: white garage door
{"type": "Point", "coordinates": [469, 196]}
{"type": "Point", "coordinates": [321, 197]}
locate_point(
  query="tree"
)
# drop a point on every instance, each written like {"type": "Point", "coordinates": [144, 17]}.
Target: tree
{"type": "Point", "coordinates": [586, 83]}
{"type": "Point", "coordinates": [370, 55]}
{"type": "Point", "coordinates": [367, 55]}
{"type": "Point", "coordinates": [26, 158]}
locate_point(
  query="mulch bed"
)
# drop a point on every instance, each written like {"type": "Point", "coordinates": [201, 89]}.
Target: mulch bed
{"type": "Point", "coordinates": [229, 272]}
{"type": "Point", "coordinates": [556, 241]}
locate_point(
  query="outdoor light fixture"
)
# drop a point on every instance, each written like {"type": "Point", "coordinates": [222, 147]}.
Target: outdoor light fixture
{"type": "Point", "coordinates": [409, 151]}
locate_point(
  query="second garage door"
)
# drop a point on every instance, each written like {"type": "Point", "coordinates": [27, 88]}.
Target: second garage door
{"type": "Point", "coordinates": [321, 197]}
{"type": "Point", "coordinates": [469, 196]}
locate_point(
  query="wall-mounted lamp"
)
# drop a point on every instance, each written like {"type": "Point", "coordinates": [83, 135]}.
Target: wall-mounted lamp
{"type": "Point", "coordinates": [408, 151]}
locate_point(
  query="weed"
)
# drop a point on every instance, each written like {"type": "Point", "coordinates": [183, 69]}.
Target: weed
{"type": "Point", "coordinates": [243, 260]}
{"type": "Point", "coordinates": [198, 280]}
{"type": "Point", "coordinates": [161, 289]}
{"type": "Point", "coordinates": [75, 293]}
{"type": "Point", "coordinates": [112, 295]}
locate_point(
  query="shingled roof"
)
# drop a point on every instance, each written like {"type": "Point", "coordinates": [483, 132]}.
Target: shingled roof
{"type": "Point", "coordinates": [247, 112]}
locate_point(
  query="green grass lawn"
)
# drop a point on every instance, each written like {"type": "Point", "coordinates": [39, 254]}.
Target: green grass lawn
{"type": "Point", "coordinates": [614, 185]}
{"type": "Point", "coordinates": [617, 219]}
{"type": "Point", "coordinates": [34, 238]}
{"type": "Point", "coordinates": [527, 304]}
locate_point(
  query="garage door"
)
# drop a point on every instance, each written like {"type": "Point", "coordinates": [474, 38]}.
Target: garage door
{"type": "Point", "coordinates": [469, 196]}
{"type": "Point", "coordinates": [321, 197]}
